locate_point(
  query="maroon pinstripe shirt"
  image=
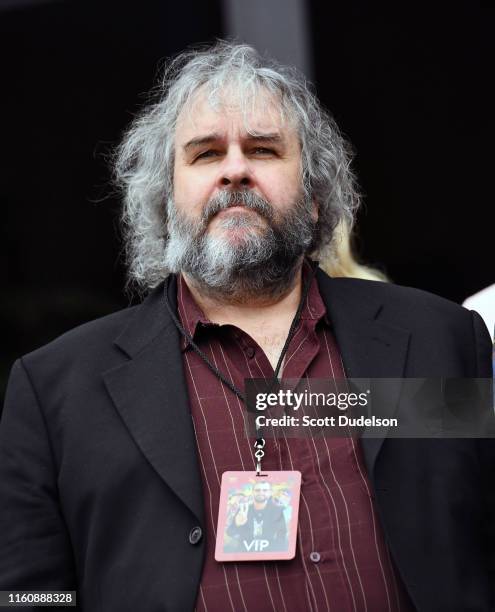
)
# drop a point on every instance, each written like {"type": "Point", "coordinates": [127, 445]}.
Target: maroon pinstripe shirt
{"type": "Point", "coordinates": [353, 570]}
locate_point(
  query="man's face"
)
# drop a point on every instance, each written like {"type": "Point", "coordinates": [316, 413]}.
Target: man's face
{"type": "Point", "coordinates": [262, 492]}
{"type": "Point", "coordinates": [214, 153]}
{"type": "Point", "coordinates": [239, 221]}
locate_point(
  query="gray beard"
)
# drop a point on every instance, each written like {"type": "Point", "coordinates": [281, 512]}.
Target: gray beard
{"type": "Point", "coordinates": [262, 264]}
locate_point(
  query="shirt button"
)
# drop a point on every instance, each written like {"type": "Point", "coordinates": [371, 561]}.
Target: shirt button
{"type": "Point", "coordinates": [315, 557]}
{"type": "Point", "coordinates": [195, 535]}
{"type": "Point", "coordinates": [250, 352]}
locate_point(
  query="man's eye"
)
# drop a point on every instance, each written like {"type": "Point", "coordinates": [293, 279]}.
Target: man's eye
{"type": "Point", "coordinates": [206, 154]}
{"type": "Point", "coordinates": [263, 151]}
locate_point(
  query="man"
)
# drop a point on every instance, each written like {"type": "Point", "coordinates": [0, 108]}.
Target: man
{"type": "Point", "coordinates": [115, 436]}
{"type": "Point", "coordinates": [262, 521]}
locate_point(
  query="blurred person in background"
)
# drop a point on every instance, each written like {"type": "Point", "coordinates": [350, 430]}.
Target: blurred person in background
{"type": "Point", "coordinates": [484, 304]}
{"type": "Point", "coordinates": [343, 262]}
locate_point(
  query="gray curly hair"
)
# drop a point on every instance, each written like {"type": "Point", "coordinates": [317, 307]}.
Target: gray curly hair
{"type": "Point", "coordinates": [144, 161]}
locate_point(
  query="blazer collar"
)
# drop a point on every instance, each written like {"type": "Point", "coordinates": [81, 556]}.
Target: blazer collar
{"type": "Point", "coordinates": [370, 346]}
{"type": "Point", "coordinates": [149, 391]}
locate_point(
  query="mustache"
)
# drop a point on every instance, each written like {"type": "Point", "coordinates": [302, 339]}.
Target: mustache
{"type": "Point", "coordinates": [228, 199]}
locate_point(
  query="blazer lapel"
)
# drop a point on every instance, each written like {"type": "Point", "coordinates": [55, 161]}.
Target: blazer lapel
{"type": "Point", "coordinates": [370, 346]}
{"type": "Point", "coordinates": [150, 393]}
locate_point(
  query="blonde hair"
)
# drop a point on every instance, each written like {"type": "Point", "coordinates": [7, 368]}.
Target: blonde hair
{"type": "Point", "coordinates": [341, 261]}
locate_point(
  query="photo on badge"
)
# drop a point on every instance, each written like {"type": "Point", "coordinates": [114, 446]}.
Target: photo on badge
{"type": "Point", "coordinates": [257, 517]}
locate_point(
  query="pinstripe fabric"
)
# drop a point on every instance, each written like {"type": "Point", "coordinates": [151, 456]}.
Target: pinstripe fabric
{"type": "Point", "coordinates": [336, 517]}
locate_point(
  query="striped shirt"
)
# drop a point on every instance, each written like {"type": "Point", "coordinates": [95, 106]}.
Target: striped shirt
{"type": "Point", "coordinates": [342, 562]}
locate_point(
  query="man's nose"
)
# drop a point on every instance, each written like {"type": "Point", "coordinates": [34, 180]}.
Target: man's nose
{"type": "Point", "coordinates": [235, 171]}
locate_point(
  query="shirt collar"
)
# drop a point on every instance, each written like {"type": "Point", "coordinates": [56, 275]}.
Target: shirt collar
{"type": "Point", "coordinates": [190, 314]}
{"type": "Point", "coordinates": [193, 318]}
{"type": "Point", "coordinates": [314, 308]}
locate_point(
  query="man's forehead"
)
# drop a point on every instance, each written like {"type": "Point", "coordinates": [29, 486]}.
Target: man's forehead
{"type": "Point", "coordinates": [224, 115]}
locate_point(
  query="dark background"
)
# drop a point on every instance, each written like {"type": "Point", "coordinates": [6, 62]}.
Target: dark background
{"type": "Point", "coordinates": [407, 86]}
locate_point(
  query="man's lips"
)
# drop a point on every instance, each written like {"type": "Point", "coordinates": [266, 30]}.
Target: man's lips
{"type": "Point", "coordinates": [237, 208]}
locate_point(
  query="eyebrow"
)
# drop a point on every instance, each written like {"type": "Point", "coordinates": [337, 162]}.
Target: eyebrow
{"type": "Point", "coordinates": [201, 140]}
{"type": "Point", "coordinates": [272, 138]}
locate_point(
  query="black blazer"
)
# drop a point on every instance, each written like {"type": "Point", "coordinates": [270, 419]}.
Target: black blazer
{"type": "Point", "coordinates": [99, 483]}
